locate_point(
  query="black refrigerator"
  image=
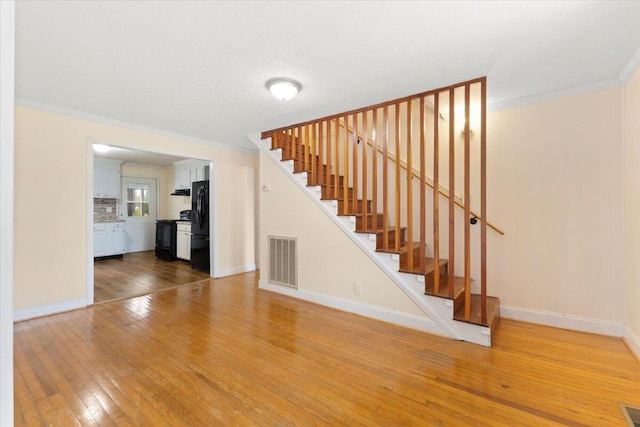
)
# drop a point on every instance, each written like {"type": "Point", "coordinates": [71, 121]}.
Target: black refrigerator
{"type": "Point", "coordinates": [200, 225]}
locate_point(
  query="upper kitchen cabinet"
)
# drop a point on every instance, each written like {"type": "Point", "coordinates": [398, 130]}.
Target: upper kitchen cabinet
{"type": "Point", "coordinates": [188, 171]}
{"type": "Point", "coordinates": [106, 178]}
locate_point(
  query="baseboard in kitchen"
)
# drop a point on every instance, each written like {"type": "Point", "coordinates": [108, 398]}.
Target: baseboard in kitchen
{"type": "Point", "coordinates": [236, 270]}
{"type": "Point", "coordinates": [48, 309]}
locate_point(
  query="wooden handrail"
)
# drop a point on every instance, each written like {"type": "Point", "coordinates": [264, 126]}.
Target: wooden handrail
{"type": "Point", "coordinates": [416, 174]}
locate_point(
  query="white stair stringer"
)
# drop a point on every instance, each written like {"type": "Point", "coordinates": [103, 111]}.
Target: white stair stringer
{"type": "Point", "coordinates": [440, 310]}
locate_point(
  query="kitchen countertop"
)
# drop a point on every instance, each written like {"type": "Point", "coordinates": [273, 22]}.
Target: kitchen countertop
{"type": "Point", "coordinates": [108, 220]}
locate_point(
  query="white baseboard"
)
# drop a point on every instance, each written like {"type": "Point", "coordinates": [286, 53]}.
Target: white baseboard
{"type": "Point", "coordinates": [565, 321]}
{"type": "Point", "coordinates": [47, 309]}
{"type": "Point", "coordinates": [379, 313]}
{"type": "Point", "coordinates": [632, 340]}
{"type": "Point", "coordinates": [236, 270]}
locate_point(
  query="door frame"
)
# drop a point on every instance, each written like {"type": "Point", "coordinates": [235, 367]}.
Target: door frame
{"type": "Point", "coordinates": [213, 254]}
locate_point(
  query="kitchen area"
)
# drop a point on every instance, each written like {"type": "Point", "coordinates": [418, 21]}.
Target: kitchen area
{"type": "Point", "coordinates": [151, 222]}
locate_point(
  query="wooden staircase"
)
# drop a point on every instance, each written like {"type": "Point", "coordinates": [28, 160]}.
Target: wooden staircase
{"type": "Point", "coordinates": [377, 227]}
{"type": "Point", "coordinates": [361, 162]}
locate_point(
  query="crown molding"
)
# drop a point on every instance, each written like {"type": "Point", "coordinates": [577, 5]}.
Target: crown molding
{"type": "Point", "coordinates": [35, 105]}
{"type": "Point", "coordinates": [561, 93]}
{"type": "Point", "coordinates": [630, 67]}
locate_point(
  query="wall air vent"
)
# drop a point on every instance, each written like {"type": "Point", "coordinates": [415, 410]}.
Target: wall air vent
{"type": "Point", "coordinates": [631, 414]}
{"type": "Point", "coordinates": [283, 261]}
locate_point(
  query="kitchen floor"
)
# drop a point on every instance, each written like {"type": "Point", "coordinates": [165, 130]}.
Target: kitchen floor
{"type": "Point", "coordinates": [140, 273]}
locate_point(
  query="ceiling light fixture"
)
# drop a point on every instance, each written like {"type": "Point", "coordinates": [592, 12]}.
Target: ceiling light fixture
{"type": "Point", "coordinates": [283, 89]}
{"type": "Point", "coordinates": [101, 148]}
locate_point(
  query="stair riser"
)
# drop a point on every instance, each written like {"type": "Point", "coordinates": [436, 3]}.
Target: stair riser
{"type": "Point", "coordinates": [392, 239]}
{"type": "Point", "coordinates": [321, 179]}
{"type": "Point", "coordinates": [359, 206]}
{"type": "Point", "coordinates": [327, 192]}
{"type": "Point", "coordinates": [429, 277]}
{"type": "Point", "coordinates": [404, 259]}
{"type": "Point", "coordinates": [370, 219]}
{"type": "Point", "coordinates": [300, 167]}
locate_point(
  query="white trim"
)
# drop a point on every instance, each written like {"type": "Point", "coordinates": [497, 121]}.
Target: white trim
{"type": "Point", "coordinates": [48, 309]}
{"type": "Point", "coordinates": [236, 270]}
{"type": "Point", "coordinates": [632, 340]}
{"type": "Point", "coordinates": [380, 313]}
{"type": "Point", "coordinates": [7, 77]}
{"type": "Point", "coordinates": [630, 67]}
{"type": "Point", "coordinates": [560, 93]}
{"type": "Point", "coordinates": [565, 321]}
{"type": "Point", "coordinates": [22, 102]}
{"type": "Point", "coordinates": [89, 229]}
{"type": "Point", "coordinates": [213, 223]}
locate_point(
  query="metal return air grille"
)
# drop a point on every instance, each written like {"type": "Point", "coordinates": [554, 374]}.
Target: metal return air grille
{"type": "Point", "coordinates": [283, 261]}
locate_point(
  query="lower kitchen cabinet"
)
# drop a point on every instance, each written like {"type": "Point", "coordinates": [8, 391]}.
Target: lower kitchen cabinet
{"type": "Point", "coordinates": [183, 241]}
{"type": "Point", "coordinates": [99, 239]}
{"type": "Point", "coordinates": [108, 238]}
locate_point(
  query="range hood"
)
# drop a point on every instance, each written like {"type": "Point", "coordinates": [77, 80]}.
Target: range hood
{"type": "Point", "coordinates": [181, 192]}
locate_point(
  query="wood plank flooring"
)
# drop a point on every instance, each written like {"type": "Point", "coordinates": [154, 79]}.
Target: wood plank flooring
{"type": "Point", "coordinates": [139, 273]}
{"type": "Point", "coordinates": [222, 352]}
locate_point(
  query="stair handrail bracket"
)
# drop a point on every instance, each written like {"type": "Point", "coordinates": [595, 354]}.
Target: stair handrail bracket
{"type": "Point", "coordinates": [388, 165]}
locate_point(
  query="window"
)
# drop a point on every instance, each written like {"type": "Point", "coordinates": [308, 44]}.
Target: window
{"type": "Point", "coordinates": [137, 200]}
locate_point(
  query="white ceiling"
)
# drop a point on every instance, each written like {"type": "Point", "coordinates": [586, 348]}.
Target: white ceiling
{"type": "Point", "coordinates": [198, 68]}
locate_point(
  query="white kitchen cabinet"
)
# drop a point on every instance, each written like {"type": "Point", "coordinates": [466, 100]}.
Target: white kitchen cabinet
{"type": "Point", "coordinates": [106, 178]}
{"type": "Point", "coordinates": [189, 171]}
{"type": "Point", "coordinates": [115, 238]}
{"type": "Point", "coordinates": [183, 241]}
{"type": "Point", "coordinates": [108, 238]}
{"type": "Point", "coordinates": [183, 178]}
{"type": "Point", "coordinates": [99, 239]}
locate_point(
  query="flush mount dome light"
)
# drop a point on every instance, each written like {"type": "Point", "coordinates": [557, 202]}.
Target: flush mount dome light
{"type": "Point", "coordinates": [101, 148]}
{"type": "Point", "coordinates": [283, 89]}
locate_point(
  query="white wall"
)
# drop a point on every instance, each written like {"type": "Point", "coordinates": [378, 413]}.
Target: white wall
{"type": "Point", "coordinates": [556, 188]}
{"type": "Point", "coordinates": [7, 74]}
{"type": "Point", "coordinates": [51, 163]}
{"type": "Point", "coordinates": [632, 209]}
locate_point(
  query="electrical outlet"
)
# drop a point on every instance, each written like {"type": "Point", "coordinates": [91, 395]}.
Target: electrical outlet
{"type": "Point", "coordinates": [357, 288]}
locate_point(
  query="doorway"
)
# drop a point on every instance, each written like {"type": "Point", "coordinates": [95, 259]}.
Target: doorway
{"type": "Point", "coordinates": [139, 272]}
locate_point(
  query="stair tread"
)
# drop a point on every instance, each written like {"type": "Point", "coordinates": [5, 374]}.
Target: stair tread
{"type": "Point", "coordinates": [403, 247]}
{"type": "Point", "coordinates": [458, 288]}
{"type": "Point", "coordinates": [357, 215]}
{"type": "Point", "coordinates": [493, 311]}
{"type": "Point", "coordinates": [429, 266]}
{"type": "Point", "coordinates": [371, 231]}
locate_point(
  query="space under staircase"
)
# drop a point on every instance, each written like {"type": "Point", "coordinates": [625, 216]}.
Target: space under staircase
{"type": "Point", "coordinates": [378, 172]}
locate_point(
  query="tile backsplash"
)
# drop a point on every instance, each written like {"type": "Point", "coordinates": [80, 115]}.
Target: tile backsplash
{"type": "Point", "coordinates": [100, 209]}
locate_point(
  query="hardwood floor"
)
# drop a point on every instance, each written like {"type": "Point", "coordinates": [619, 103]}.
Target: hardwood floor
{"type": "Point", "coordinates": [222, 352]}
{"type": "Point", "coordinates": [139, 273]}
